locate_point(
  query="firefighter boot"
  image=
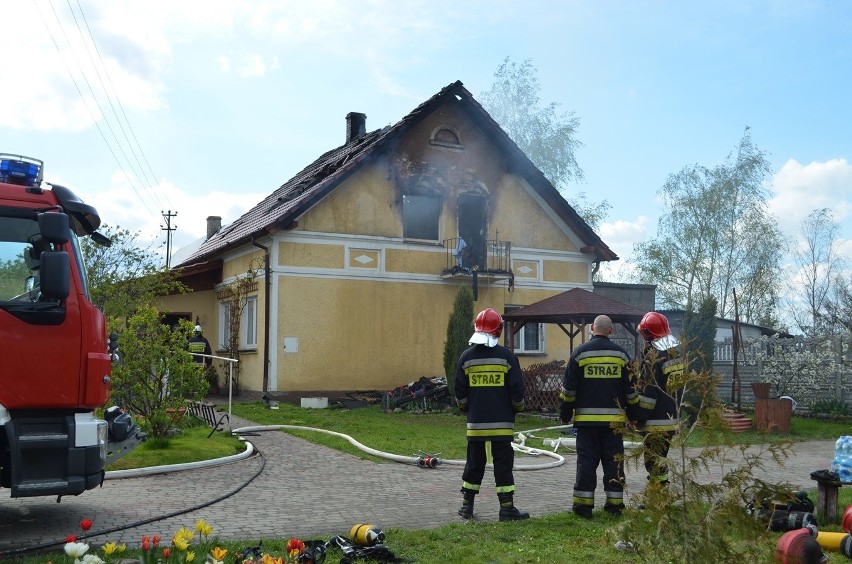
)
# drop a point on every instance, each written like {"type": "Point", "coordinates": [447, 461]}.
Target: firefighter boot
{"type": "Point", "coordinates": [508, 511]}
{"type": "Point", "coordinates": [466, 510]}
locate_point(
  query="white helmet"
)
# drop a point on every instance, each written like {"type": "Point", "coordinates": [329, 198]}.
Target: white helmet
{"type": "Point", "coordinates": [197, 329]}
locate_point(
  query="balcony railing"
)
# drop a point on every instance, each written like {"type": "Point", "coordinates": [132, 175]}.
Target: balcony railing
{"type": "Point", "coordinates": [494, 261]}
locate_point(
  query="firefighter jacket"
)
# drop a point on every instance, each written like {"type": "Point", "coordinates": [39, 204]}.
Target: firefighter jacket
{"type": "Point", "coordinates": [490, 388]}
{"type": "Point", "coordinates": [661, 377]}
{"type": "Point", "coordinates": [597, 388]}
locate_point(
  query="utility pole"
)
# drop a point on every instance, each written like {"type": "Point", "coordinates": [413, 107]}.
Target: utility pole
{"type": "Point", "coordinates": [168, 229]}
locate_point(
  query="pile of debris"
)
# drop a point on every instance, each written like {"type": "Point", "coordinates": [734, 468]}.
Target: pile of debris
{"type": "Point", "coordinates": [425, 393]}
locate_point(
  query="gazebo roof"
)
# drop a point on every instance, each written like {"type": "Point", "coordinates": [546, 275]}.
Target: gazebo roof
{"type": "Point", "coordinates": [577, 307]}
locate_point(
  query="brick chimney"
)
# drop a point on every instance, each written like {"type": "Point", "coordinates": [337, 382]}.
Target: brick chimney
{"type": "Point", "coordinates": [214, 224]}
{"type": "Point", "coordinates": [356, 125]}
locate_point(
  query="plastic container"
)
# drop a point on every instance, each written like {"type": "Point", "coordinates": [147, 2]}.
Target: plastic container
{"type": "Point", "coordinates": [842, 463]}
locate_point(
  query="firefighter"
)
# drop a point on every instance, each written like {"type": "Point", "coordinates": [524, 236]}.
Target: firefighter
{"type": "Point", "coordinates": [490, 389]}
{"type": "Point", "coordinates": [200, 345]}
{"type": "Point", "coordinates": [662, 371]}
{"type": "Point", "coordinates": [596, 391]}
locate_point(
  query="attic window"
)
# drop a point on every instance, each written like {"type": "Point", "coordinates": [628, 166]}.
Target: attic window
{"type": "Point", "coordinates": [446, 137]}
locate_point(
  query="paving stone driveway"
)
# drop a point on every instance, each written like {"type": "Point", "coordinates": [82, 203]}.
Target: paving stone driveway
{"type": "Point", "coordinates": [300, 489]}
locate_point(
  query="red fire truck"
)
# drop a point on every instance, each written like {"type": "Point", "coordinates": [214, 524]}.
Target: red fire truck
{"type": "Point", "coordinates": [54, 349]}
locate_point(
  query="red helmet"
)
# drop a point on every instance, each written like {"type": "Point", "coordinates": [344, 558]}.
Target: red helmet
{"type": "Point", "coordinates": [489, 321]}
{"type": "Point", "coordinates": [654, 326]}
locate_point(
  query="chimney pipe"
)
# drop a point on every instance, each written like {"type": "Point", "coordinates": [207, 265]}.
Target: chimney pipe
{"type": "Point", "coordinates": [356, 125]}
{"type": "Point", "coordinates": [214, 224]}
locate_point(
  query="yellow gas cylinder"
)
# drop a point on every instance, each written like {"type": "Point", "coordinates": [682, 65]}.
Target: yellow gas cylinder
{"type": "Point", "coordinates": [366, 535]}
{"type": "Point", "coordinates": [830, 541]}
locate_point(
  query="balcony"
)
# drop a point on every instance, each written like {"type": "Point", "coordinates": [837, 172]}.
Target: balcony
{"type": "Point", "coordinates": [491, 260]}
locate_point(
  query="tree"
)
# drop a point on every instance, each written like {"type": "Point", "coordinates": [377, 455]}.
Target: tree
{"type": "Point", "coordinates": [234, 295]}
{"type": "Point", "coordinates": [817, 261]}
{"type": "Point", "coordinates": [156, 371]}
{"type": "Point", "coordinates": [717, 235]}
{"type": "Point", "coordinates": [458, 333]}
{"type": "Point", "coordinates": [125, 275]}
{"type": "Point", "coordinates": [548, 138]}
{"type": "Point", "coordinates": [699, 335]}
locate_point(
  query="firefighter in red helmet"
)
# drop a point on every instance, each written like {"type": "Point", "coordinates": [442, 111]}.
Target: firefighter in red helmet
{"type": "Point", "coordinates": [662, 371]}
{"type": "Point", "coordinates": [490, 389]}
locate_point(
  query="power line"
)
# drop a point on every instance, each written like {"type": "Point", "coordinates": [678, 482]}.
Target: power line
{"type": "Point", "coordinates": [117, 99]}
{"type": "Point", "coordinates": [94, 96]}
{"type": "Point", "coordinates": [88, 109]}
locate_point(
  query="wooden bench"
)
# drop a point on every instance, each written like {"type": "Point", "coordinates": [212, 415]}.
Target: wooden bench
{"type": "Point", "coordinates": [207, 412]}
{"type": "Point", "coordinates": [828, 485]}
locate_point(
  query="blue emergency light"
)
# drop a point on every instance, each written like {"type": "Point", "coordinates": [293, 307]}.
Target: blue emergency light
{"type": "Point", "coordinates": [17, 169]}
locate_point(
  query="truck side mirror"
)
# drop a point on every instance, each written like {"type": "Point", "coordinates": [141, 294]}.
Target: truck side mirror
{"type": "Point", "coordinates": [55, 274]}
{"type": "Point", "coordinates": [54, 227]}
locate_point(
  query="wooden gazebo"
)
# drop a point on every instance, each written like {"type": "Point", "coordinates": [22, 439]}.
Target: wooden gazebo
{"type": "Point", "coordinates": [572, 311]}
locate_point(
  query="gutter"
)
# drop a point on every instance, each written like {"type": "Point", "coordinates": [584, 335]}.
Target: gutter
{"type": "Point", "coordinates": [267, 284]}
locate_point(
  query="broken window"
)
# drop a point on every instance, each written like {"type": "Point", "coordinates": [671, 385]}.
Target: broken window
{"type": "Point", "coordinates": [420, 216]}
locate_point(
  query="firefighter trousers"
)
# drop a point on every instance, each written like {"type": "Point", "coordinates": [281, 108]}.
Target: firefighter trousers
{"type": "Point", "coordinates": [504, 459]}
{"type": "Point", "coordinates": [599, 445]}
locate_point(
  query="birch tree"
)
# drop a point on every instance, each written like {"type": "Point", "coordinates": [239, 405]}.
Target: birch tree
{"type": "Point", "coordinates": [547, 136]}
{"type": "Point", "coordinates": [817, 262]}
{"type": "Point", "coordinates": [716, 234]}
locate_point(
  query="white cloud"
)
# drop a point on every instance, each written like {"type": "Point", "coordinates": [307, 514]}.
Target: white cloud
{"type": "Point", "coordinates": [621, 235]}
{"type": "Point", "coordinates": [799, 189]}
{"type": "Point", "coordinates": [119, 206]}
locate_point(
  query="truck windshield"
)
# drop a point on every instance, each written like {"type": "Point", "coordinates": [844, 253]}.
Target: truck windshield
{"type": "Point", "coordinates": [21, 246]}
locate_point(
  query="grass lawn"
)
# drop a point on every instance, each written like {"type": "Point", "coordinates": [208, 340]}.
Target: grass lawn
{"type": "Point", "coordinates": [552, 538]}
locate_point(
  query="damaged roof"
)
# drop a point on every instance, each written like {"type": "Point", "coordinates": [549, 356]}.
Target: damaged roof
{"type": "Point", "coordinates": [282, 207]}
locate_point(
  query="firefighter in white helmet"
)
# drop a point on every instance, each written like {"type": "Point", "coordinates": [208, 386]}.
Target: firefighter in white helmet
{"type": "Point", "coordinates": [662, 369]}
{"type": "Point", "coordinates": [489, 387]}
{"type": "Point", "coordinates": [199, 344]}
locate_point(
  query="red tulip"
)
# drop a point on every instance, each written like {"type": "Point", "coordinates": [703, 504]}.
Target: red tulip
{"type": "Point", "coordinates": [86, 524]}
{"type": "Point", "coordinates": [156, 541]}
{"type": "Point", "coordinates": [146, 543]}
{"type": "Point", "coordinates": [166, 553]}
{"type": "Point", "coordinates": [71, 538]}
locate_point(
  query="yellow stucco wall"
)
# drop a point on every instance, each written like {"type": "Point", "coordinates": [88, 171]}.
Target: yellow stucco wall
{"type": "Point", "coordinates": [363, 204]}
{"type": "Point", "coordinates": [311, 255]}
{"type": "Point", "coordinates": [198, 304]}
{"type": "Point", "coordinates": [565, 271]}
{"type": "Point", "coordinates": [238, 266]}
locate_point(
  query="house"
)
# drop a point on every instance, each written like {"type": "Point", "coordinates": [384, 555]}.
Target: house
{"type": "Point", "coordinates": [724, 327]}
{"type": "Point", "coordinates": [358, 258]}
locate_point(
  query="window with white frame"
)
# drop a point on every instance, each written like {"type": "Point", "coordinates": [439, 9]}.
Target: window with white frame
{"type": "Point", "coordinates": [530, 339]}
{"type": "Point", "coordinates": [248, 324]}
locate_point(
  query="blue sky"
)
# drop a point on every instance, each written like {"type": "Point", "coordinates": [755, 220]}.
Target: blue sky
{"type": "Point", "coordinates": [212, 103]}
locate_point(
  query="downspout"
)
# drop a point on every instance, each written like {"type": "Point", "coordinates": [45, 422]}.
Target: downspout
{"type": "Point", "coordinates": [267, 284]}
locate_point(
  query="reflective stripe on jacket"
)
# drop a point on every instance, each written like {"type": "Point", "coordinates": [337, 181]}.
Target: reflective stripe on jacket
{"type": "Point", "coordinates": [490, 387]}
{"type": "Point", "coordinates": [597, 387]}
{"type": "Point", "coordinates": [657, 401]}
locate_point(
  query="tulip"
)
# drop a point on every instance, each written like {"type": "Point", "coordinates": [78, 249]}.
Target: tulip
{"type": "Point", "coordinates": [167, 553]}
{"type": "Point", "coordinates": [76, 549]}
{"type": "Point", "coordinates": [86, 524]}
{"type": "Point", "coordinates": [218, 553]}
{"type": "Point", "coordinates": [109, 548]}
{"type": "Point", "coordinates": [71, 538]}
{"type": "Point", "coordinates": [156, 541]}
{"type": "Point", "coordinates": [190, 556]}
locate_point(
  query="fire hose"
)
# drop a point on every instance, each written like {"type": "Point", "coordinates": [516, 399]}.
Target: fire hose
{"type": "Point", "coordinates": [430, 461]}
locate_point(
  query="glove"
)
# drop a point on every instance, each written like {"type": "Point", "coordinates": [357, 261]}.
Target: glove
{"type": "Point", "coordinates": [565, 412]}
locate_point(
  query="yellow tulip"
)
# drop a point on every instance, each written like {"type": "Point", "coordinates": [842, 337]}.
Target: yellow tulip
{"type": "Point", "coordinates": [190, 556]}
{"type": "Point", "coordinates": [203, 527]}
{"type": "Point", "coordinates": [218, 553]}
{"type": "Point", "coordinates": [109, 548]}
{"type": "Point", "coordinates": [180, 542]}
